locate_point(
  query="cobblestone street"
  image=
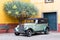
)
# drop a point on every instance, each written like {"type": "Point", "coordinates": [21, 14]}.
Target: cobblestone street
{"type": "Point", "coordinates": [11, 36]}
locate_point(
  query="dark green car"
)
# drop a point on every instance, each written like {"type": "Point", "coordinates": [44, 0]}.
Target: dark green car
{"type": "Point", "coordinates": [32, 26]}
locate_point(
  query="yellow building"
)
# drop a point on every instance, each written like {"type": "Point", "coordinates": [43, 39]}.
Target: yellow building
{"type": "Point", "coordinates": [47, 9]}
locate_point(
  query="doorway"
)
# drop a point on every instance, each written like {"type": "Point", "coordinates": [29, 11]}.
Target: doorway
{"type": "Point", "coordinates": [52, 19]}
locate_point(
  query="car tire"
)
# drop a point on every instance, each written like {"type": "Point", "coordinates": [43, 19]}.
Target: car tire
{"type": "Point", "coordinates": [17, 34]}
{"type": "Point", "coordinates": [29, 33]}
{"type": "Point", "coordinates": [46, 31]}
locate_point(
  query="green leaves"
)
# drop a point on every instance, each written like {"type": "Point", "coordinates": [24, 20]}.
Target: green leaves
{"type": "Point", "coordinates": [17, 9]}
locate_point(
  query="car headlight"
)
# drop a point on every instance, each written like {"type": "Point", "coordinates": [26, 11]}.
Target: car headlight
{"type": "Point", "coordinates": [17, 28]}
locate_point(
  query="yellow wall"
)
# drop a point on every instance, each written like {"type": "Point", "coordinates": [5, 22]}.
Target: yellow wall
{"type": "Point", "coordinates": [5, 18]}
{"type": "Point", "coordinates": [42, 6]}
{"type": "Point", "coordinates": [48, 7]}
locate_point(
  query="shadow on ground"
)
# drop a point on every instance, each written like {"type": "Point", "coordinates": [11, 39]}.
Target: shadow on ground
{"type": "Point", "coordinates": [36, 34]}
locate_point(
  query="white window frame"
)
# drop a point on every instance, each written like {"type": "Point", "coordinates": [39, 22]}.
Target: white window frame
{"type": "Point", "coordinates": [36, 21]}
{"type": "Point", "coordinates": [49, 1]}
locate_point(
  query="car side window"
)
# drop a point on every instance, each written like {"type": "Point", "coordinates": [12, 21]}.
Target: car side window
{"type": "Point", "coordinates": [42, 21]}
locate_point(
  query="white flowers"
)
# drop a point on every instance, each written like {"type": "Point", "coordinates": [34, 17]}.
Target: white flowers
{"type": "Point", "coordinates": [17, 12]}
{"type": "Point", "coordinates": [9, 12]}
{"type": "Point", "coordinates": [14, 7]}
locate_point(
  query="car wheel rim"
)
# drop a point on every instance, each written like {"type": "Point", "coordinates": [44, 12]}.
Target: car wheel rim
{"type": "Point", "coordinates": [29, 33]}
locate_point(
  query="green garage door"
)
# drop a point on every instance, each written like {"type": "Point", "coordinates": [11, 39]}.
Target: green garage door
{"type": "Point", "coordinates": [52, 20]}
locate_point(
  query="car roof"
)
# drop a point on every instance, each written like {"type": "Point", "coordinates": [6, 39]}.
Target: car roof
{"type": "Point", "coordinates": [37, 19]}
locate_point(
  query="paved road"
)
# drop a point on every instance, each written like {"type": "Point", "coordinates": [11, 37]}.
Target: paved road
{"type": "Point", "coordinates": [11, 36]}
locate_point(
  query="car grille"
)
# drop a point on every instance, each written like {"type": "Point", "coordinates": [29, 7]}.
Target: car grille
{"type": "Point", "coordinates": [21, 28]}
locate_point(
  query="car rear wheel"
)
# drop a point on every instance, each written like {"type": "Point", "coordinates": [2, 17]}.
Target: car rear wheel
{"type": "Point", "coordinates": [29, 33]}
{"type": "Point", "coordinates": [46, 31]}
{"type": "Point", "coordinates": [17, 34]}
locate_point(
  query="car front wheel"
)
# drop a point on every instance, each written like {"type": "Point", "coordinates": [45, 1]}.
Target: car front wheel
{"type": "Point", "coordinates": [29, 33]}
{"type": "Point", "coordinates": [17, 34]}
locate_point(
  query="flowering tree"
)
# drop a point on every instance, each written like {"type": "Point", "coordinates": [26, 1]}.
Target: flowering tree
{"type": "Point", "coordinates": [20, 10]}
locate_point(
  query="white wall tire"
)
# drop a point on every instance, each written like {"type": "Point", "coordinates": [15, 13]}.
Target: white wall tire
{"type": "Point", "coordinates": [29, 33]}
{"type": "Point", "coordinates": [17, 34]}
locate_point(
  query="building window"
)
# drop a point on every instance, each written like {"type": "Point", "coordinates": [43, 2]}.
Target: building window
{"type": "Point", "coordinates": [49, 1]}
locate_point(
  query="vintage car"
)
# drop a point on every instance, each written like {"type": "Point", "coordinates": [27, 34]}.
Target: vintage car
{"type": "Point", "coordinates": [32, 26]}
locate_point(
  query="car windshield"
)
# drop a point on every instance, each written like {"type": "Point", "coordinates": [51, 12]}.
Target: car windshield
{"type": "Point", "coordinates": [36, 20]}
{"type": "Point", "coordinates": [29, 21]}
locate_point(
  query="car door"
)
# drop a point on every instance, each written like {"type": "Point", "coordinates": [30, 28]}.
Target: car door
{"type": "Point", "coordinates": [37, 26]}
{"type": "Point", "coordinates": [42, 24]}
